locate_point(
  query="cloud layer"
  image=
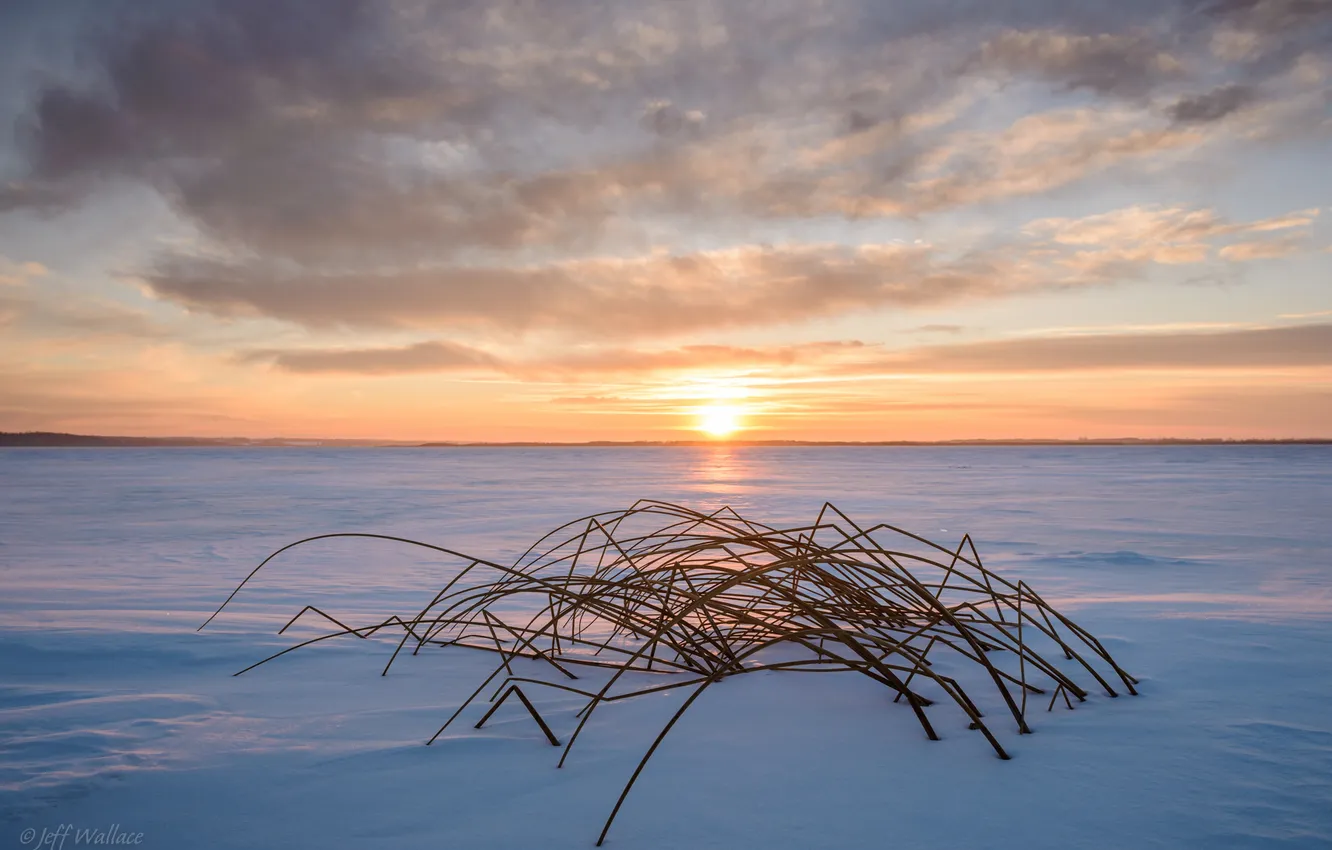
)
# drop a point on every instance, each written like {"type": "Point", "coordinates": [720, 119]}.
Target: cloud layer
{"type": "Point", "coordinates": [563, 190]}
{"type": "Point", "coordinates": [1295, 347]}
{"type": "Point", "coordinates": [323, 131]}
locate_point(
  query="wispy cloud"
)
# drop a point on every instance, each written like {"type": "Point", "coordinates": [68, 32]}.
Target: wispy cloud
{"type": "Point", "coordinates": [1211, 105]}
{"type": "Point", "coordinates": [421, 357]}
{"type": "Point", "coordinates": [443, 356]}
{"type": "Point", "coordinates": [745, 286]}
{"type": "Point", "coordinates": [83, 320]}
{"type": "Point", "coordinates": [1107, 242]}
{"type": "Point", "coordinates": [653, 295]}
{"type": "Point", "coordinates": [1260, 348]}
{"type": "Point", "coordinates": [1107, 62]}
{"type": "Point", "coordinates": [1315, 315]}
{"type": "Point", "coordinates": [1267, 250]}
{"type": "Point", "coordinates": [16, 274]}
{"type": "Point", "coordinates": [1161, 348]}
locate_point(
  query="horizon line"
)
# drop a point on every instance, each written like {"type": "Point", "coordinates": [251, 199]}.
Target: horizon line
{"type": "Point", "coordinates": [56, 439]}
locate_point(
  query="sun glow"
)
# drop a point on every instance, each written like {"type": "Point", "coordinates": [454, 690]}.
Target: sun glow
{"type": "Point", "coordinates": [719, 420]}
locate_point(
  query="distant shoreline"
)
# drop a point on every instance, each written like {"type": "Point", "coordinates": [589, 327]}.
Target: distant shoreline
{"type": "Point", "coordinates": [42, 439]}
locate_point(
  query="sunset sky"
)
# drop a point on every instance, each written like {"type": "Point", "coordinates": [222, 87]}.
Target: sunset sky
{"type": "Point", "coordinates": [574, 220]}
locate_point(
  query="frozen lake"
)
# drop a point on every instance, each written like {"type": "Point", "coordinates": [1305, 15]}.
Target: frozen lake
{"type": "Point", "coordinates": [1205, 570]}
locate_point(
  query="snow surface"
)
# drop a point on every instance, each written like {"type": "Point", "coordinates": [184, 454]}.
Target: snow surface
{"type": "Point", "coordinates": [1204, 570]}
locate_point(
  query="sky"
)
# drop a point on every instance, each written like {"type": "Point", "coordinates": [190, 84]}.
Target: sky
{"type": "Point", "coordinates": [584, 220]}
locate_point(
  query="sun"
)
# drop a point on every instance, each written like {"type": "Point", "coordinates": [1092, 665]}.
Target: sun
{"type": "Point", "coordinates": [719, 420]}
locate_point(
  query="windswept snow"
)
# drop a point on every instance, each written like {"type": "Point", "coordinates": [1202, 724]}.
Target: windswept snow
{"type": "Point", "coordinates": [1204, 570]}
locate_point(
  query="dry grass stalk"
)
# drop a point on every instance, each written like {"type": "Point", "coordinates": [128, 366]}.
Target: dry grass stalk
{"type": "Point", "coordinates": [698, 597]}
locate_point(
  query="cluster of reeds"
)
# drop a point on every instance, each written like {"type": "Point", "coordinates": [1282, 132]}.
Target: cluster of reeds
{"type": "Point", "coordinates": [697, 597]}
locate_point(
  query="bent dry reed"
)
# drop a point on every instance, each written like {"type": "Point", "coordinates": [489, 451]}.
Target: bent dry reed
{"type": "Point", "coordinates": [660, 590]}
